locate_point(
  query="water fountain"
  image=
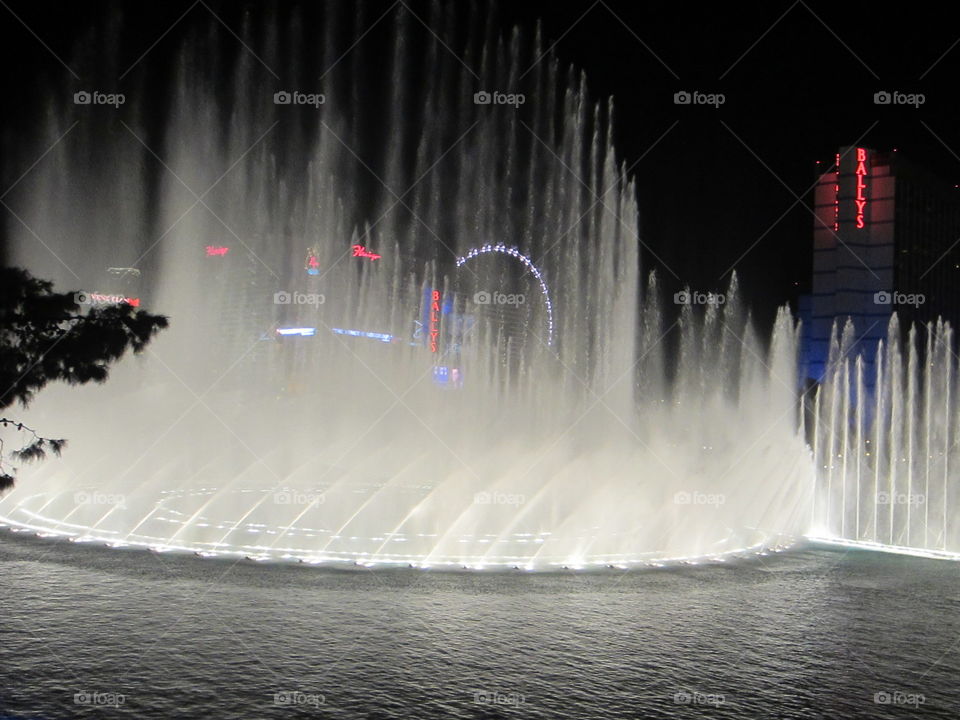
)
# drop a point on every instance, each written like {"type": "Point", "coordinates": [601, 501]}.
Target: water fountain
{"type": "Point", "coordinates": [412, 409]}
{"type": "Point", "coordinates": [885, 443]}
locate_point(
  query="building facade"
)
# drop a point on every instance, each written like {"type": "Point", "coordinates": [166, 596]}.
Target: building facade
{"type": "Point", "coordinates": [886, 239]}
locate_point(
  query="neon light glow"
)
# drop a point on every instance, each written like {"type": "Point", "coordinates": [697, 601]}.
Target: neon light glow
{"type": "Point", "coordinates": [302, 331]}
{"type": "Point", "coordinates": [513, 252]}
{"type": "Point", "coordinates": [101, 299]}
{"type": "Point", "coordinates": [361, 252]}
{"type": "Point", "coordinates": [312, 265]}
{"type": "Point", "coordinates": [434, 319]}
{"type": "Point", "coordinates": [382, 337]}
{"type": "Point", "coordinates": [214, 250]}
{"type": "Point", "coordinates": [861, 185]}
{"type": "Point", "coordinates": [447, 376]}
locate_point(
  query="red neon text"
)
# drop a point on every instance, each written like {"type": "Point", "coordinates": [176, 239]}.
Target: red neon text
{"type": "Point", "coordinates": [836, 199]}
{"type": "Point", "coordinates": [99, 299]}
{"type": "Point", "coordinates": [861, 185]}
{"type": "Point", "coordinates": [361, 252]}
{"type": "Point", "coordinates": [434, 319]}
{"type": "Point", "coordinates": [213, 250]}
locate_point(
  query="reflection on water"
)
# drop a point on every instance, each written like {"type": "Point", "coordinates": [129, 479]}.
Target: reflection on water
{"type": "Point", "coordinates": [807, 633]}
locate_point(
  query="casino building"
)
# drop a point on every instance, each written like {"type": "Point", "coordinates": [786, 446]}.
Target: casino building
{"type": "Point", "coordinates": [886, 239]}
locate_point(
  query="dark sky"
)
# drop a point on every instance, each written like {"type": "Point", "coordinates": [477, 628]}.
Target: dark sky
{"type": "Point", "coordinates": [799, 81]}
{"type": "Point", "coordinates": [718, 186]}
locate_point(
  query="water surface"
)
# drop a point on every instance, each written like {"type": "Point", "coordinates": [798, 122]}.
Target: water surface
{"type": "Point", "coordinates": [811, 633]}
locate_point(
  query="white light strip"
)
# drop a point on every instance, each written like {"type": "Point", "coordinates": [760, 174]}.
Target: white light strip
{"type": "Point", "coordinates": [382, 337]}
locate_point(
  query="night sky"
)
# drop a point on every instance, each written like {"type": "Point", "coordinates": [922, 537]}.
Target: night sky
{"type": "Point", "coordinates": [718, 186]}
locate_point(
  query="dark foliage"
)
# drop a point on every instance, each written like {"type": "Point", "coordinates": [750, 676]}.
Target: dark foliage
{"type": "Point", "coordinates": [47, 336]}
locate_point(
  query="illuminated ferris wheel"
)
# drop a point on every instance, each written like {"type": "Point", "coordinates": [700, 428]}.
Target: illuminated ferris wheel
{"type": "Point", "coordinates": [528, 263]}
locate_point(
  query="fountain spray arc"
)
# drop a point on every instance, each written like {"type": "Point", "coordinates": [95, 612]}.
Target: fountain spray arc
{"type": "Point", "coordinates": [568, 435]}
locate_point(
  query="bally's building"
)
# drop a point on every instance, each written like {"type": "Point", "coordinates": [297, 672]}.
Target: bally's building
{"type": "Point", "coordinates": [886, 238]}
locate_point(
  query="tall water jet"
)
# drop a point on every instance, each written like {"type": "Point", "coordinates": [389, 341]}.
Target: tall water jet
{"type": "Point", "coordinates": [899, 477]}
{"type": "Point", "coordinates": [408, 329]}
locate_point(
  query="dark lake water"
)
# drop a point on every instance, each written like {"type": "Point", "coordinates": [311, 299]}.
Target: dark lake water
{"type": "Point", "coordinates": [813, 633]}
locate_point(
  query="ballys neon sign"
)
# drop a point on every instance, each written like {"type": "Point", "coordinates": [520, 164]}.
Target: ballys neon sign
{"type": "Point", "coordinates": [434, 319]}
{"type": "Point", "coordinates": [861, 175]}
{"type": "Point", "coordinates": [361, 252]}
{"type": "Point", "coordinates": [213, 250]}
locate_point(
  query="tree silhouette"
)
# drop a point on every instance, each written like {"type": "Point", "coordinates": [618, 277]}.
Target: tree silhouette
{"type": "Point", "coordinates": [47, 336]}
